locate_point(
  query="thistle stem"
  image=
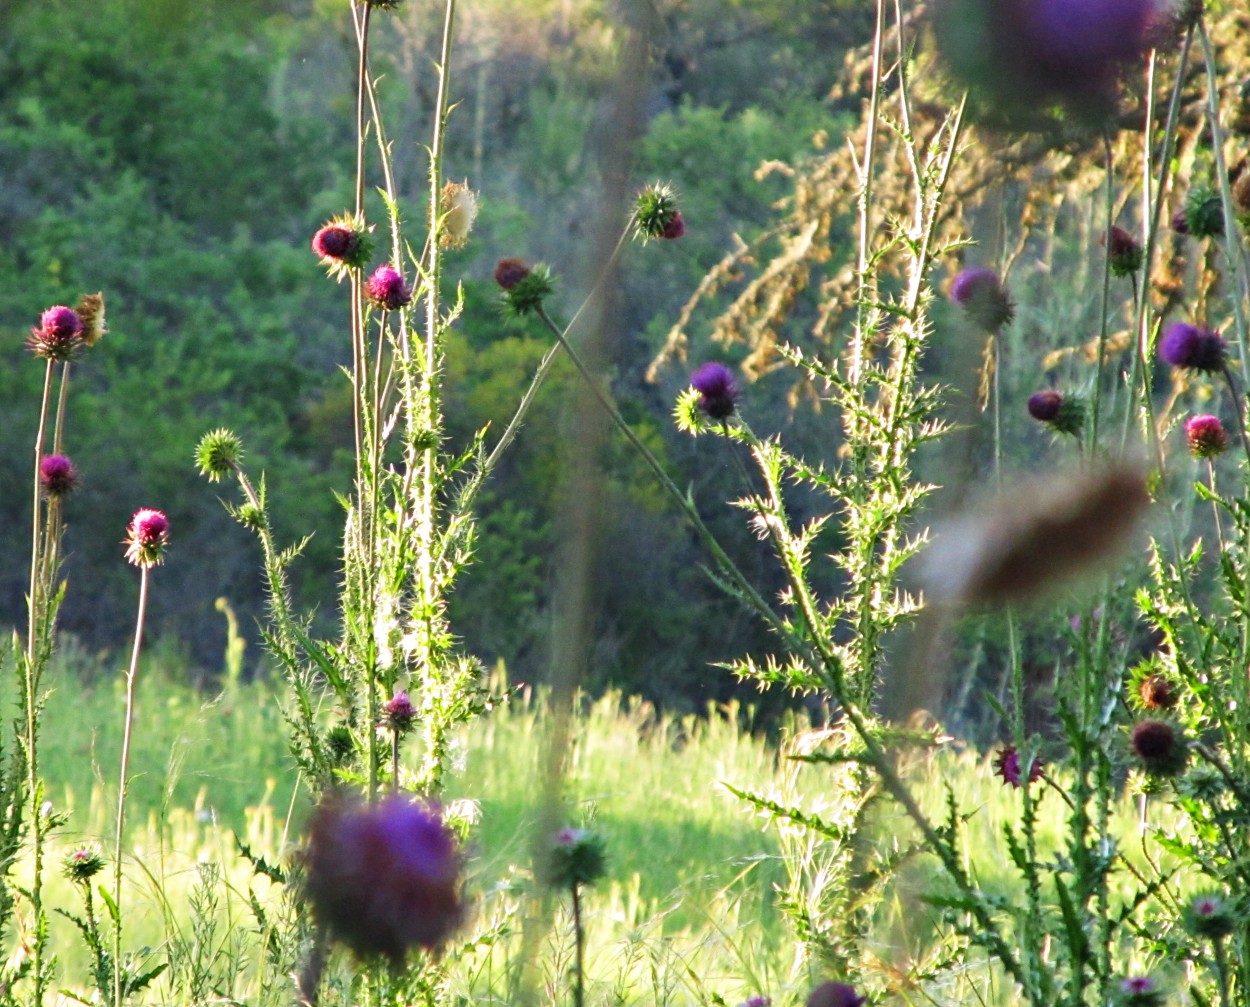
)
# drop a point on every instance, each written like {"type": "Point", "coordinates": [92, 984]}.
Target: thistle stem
{"type": "Point", "coordinates": [131, 676]}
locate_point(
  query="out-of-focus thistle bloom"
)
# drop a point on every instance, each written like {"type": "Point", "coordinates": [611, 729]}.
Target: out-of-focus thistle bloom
{"type": "Point", "coordinates": [82, 864]}
{"type": "Point", "coordinates": [981, 294]}
{"type": "Point", "coordinates": [399, 712]}
{"type": "Point", "coordinates": [1160, 747]}
{"type": "Point", "coordinates": [1210, 915]}
{"type": "Point", "coordinates": [218, 454]}
{"type": "Point", "coordinates": [1193, 347]}
{"type": "Point", "coordinates": [1124, 253]}
{"type": "Point", "coordinates": [758, 1001]}
{"type": "Point", "coordinates": [459, 207]}
{"type": "Point", "coordinates": [1203, 214]}
{"type": "Point", "coordinates": [385, 288]}
{"type": "Point", "coordinates": [1019, 545]}
{"type": "Point", "coordinates": [59, 335]}
{"type": "Point", "coordinates": [1205, 436]}
{"type": "Point", "coordinates": [524, 288]}
{"type": "Point", "coordinates": [343, 245]}
{"type": "Point", "coordinates": [573, 857]}
{"type": "Point", "coordinates": [834, 995]}
{"type": "Point", "coordinates": [1140, 991]}
{"type": "Point", "coordinates": [1065, 413]}
{"type": "Point", "coordinates": [147, 538]}
{"type": "Point", "coordinates": [1040, 64]}
{"type": "Point", "coordinates": [1150, 689]}
{"type": "Point", "coordinates": [718, 391]}
{"type": "Point", "coordinates": [1241, 196]}
{"type": "Point", "coordinates": [1007, 765]}
{"type": "Point", "coordinates": [656, 214]}
{"type": "Point", "coordinates": [384, 878]}
{"type": "Point", "coordinates": [57, 475]}
{"type": "Point", "coordinates": [90, 312]}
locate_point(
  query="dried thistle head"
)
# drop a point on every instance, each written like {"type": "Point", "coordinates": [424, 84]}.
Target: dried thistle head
{"type": "Point", "coordinates": [1023, 543]}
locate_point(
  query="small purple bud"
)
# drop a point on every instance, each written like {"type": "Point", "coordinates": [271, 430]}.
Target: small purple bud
{"type": "Point", "coordinates": [1160, 746]}
{"type": "Point", "coordinates": [400, 712]}
{"type": "Point", "coordinates": [1007, 765]}
{"type": "Point", "coordinates": [58, 336]}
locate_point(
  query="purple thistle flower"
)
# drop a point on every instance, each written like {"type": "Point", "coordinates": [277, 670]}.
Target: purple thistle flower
{"type": "Point", "coordinates": [510, 272]}
{"type": "Point", "coordinates": [387, 289]}
{"type": "Point", "coordinates": [400, 712]}
{"type": "Point", "coordinates": [335, 241]}
{"type": "Point", "coordinates": [1205, 436]}
{"type": "Point", "coordinates": [718, 392]}
{"type": "Point", "coordinates": [58, 336]}
{"type": "Point", "coordinates": [981, 294]}
{"type": "Point", "coordinates": [384, 878]}
{"type": "Point", "coordinates": [147, 538]}
{"type": "Point", "coordinates": [1193, 347]}
{"type": "Point", "coordinates": [1007, 765]}
{"type": "Point", "coordinates": [57, 475]}
{"type": "Point", "coordinates": [758, 1001]}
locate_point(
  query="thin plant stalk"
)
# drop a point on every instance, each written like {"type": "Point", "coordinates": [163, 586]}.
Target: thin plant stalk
{"type": "Point", "coordinates": [131, 675]}
{"type": "Point", "coordinates": [579, 939]}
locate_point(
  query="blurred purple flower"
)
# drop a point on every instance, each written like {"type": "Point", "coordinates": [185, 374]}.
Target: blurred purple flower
{"type": "Point", "coordinates": [1007, 765]}
{"type": "Point", "coordinates": [1193, 347]}
{"type": "Point", "coordinates": [981, 294]}
{"type": "Point", "coordinates": [384, 878]}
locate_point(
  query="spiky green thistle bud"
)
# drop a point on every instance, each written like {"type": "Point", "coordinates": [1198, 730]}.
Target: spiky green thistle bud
{"type": "Point", "coordinates": [218, 454]}
{"type": "Point", "coordinates": [656, 214]}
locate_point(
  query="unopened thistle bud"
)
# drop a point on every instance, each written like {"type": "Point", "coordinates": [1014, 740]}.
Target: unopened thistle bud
{"type": "Point", "coordinates": [343, 245]}
{"type": "Point", "coordinates": [82, 864]}
{"type": "Point", "coordinates": [218, 454]}
{"type": "Point", "coordinates": [147, 538]}
{"type": "Point", "coordinates": [57, 475]}
{"type": "Point", "coordinates": [90, 312]}
{"type": "Point", "coordinates": [981, 294]}
{"type": "Point", "coordinates": [1124, 253]}
{"type": "Point", "coordinates": [58, 336]}
{"type": "Point", "coordinates": [386, 288]}
{"type": "Point", "coordinates": [1065, 413]}
{"type": "Point", "coordinates": [656, 214]}
{"type": "Point", "coordinates": [399, 712]}
{"type": "Point", "coordinates": [1205, 436]}
{"type": "Point", "coordinates": [1160, 747]}
{"type": "Point", "coordinates": [1203, 213]}
{"type": "Point", "coordinates": [718, 392]}
{"type": "Point", "coordinates": [1193, 347]}
{"type": "Point", "coordinates": [524, 288]}
{"type": "Point", "coordinates": [459, 207]}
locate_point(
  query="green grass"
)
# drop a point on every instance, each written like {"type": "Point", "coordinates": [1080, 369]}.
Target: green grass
{"type": "Point", "coordinates": [685, 913]}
